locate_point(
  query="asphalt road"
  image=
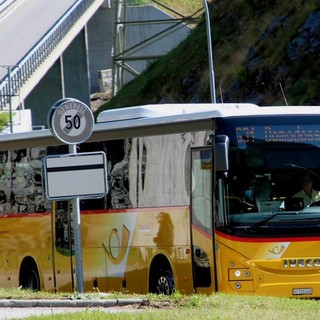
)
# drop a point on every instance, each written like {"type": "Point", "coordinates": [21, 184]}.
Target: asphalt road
{"type": "Point", "coordinates": [20, 313]}
{"type": "Point", "coordinates": [25, 308]}
{"type": "Point", "coordinates": [24, 24]}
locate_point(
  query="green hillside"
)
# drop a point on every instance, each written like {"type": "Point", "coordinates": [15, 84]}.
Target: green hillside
{"type": "Point", "coordinates": [262, 49]}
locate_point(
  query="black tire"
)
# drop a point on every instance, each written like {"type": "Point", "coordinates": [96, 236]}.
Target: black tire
{"type": "Point", "coordinates": [29, 275]}
{"type": "Point", "coordinates": [165, 283]}
{"type": "Point", "coordinates": [33, 281]}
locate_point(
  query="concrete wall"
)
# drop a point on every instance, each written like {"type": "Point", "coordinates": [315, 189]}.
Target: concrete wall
{"type": "Point", "coordinates": [100, 31]}
{"type": "Point", "coordinates": [74, 82]}
{"type": "Point", "coordinates": [44, 95]}
{"type": "Point", "coordinates": [76, 71]}
{"type": "Point", "coordinates": [136, 34]}
{"type": "Point", "coordinates": [91, 51]}
{"type": "Point", "coordinates": [101, 39]}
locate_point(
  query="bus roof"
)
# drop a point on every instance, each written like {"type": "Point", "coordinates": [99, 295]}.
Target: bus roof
{"type": "Point", "coordinates": [157, 111]}
{"type": "Point", "coordinates": [155, 119]}
{"type": "Point", "coordinates": [174, 111]}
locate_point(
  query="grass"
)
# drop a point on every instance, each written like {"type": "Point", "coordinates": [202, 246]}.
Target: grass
{"type": "Point", "coordinates": [18, 294]}
{"type": "Point", "coordinates": [4, 119]}
{"type": "Point", "coordinates": [183, 7]}
{"type": "Point", "coordinates": [176, 307]}
{"type": "Point", "coordinates": [177, 8]}
{"type": "Point", "coordinates": [236, 26]}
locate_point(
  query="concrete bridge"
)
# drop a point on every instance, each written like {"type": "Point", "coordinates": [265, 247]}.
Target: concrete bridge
{"type": "Point", "coordinates": [55, 49]}
{"type": "Point", "coordinates": [43, 53]}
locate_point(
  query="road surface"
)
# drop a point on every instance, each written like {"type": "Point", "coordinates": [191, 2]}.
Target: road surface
{"type": "Point", "coordinates": [24, 25]}
{"type": "Point", "coordinates": [20, 313]}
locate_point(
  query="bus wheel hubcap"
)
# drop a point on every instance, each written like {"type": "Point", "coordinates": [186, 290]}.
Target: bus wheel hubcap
{"type": "Point", "coordinates": [164, 285]}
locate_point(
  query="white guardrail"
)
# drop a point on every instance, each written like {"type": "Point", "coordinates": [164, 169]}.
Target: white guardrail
{"type": "Point", "coordinates": [5, 4]}
{"type": "Point", "coordinates": [19, 74]}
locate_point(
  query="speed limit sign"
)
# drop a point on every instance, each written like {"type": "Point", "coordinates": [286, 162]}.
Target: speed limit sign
{"type": "Point", "coordinates": [71, 121]}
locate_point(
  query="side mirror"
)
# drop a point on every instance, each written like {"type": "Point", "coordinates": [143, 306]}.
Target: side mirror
{"type": "Point", "coordinates": [222, 153]}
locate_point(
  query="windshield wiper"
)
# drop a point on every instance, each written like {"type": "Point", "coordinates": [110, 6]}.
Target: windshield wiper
{"type": "Point", "coordinates": [300, 216]}
{"type": "Point", "coordinates": [305, 170]}
{"type": "Point", "coordinates": [262, 222]}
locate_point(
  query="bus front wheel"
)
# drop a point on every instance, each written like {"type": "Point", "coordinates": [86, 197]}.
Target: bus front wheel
{"type": "Point", "coordinates": [161, 280]}
{"type": "Point", "coordinates": [165, 283]}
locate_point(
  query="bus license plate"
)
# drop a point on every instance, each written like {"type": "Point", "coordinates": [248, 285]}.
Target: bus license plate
{"type": "Point", "coordinates": [302, 291]}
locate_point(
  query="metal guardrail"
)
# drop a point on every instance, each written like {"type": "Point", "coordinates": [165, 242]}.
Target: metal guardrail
{"type": "Point", "coordinates": [19, 74]}
{"type": "Point", "coordinates": [5, 4]}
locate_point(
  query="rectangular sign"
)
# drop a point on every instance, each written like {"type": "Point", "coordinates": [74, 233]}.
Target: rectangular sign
{"type": "Point", "coordinates": [302, 291]}
{"type": "Point", "coordinates": [82, 175]}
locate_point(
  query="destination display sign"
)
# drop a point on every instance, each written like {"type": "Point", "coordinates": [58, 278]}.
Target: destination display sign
{"type": "Point", "coordinates": [277, 133]}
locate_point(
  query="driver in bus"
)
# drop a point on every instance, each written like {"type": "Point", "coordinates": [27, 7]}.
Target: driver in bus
{"type": "Point", "coordinates": [307, 193]}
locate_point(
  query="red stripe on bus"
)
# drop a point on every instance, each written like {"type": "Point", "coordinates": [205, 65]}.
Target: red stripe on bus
{"type": "Point", "coordinates": [303, 238]}
{"type": "Point", "coordinates": [134, 210]}
{"type": "Point", "coordinates": [93, 212]}
{"type": "Point", "coordinates": [203, 232]}
{"type": "Point", "coordinates": [25, 215]}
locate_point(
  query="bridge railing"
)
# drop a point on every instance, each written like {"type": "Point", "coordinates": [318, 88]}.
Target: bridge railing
{"type": "Point", "coordinates": [18, 74]}
{"type": "Point", "coordinates": [5, 4]}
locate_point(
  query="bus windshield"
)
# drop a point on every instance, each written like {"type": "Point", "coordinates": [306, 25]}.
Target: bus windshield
{"type": "Point", "coordinates": [273, 182]}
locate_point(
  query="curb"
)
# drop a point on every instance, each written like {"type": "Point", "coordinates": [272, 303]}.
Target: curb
{"type": "Point", "coordinates": [107, 303]}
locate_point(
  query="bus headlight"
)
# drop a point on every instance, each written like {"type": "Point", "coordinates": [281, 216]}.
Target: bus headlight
{"type": "Point", "coordinates": [238, 274]}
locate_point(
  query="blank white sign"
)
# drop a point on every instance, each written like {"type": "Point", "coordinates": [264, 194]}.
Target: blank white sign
{"type": "Point", "coordinates": [82, 175]}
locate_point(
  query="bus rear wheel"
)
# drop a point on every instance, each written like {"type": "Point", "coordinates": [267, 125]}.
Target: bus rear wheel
{"type": "Point", "coordinates": [33, 282]}
{"type": "Point", "coordinates": [29, 275]}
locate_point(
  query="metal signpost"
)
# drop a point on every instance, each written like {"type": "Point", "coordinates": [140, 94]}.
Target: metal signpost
{"type": "Point", "coordinates": [69, 176]}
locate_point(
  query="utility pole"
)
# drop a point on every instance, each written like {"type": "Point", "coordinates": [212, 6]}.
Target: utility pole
{"type": "Point", "coordinates": [210, 54]}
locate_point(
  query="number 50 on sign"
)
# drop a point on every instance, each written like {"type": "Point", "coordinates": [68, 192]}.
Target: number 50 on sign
{"type": "Point", "coordinates": [71, 121]}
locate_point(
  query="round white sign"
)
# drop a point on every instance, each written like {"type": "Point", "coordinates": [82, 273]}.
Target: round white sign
{"type": "Point", "coordinates": [71, 121]}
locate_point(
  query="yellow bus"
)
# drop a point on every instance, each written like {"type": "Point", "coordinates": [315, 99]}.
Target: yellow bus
{"type": "Point", "coordinates": [201, 199]}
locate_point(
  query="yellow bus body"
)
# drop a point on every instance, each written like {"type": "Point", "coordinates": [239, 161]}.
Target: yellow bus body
{"type": "Point", "coordinates": [24, 235]}
{"type": "Point", "coordinates": [118, 248]}
{"type": "Point", "coordinates": [264, 267]}
{"type": "Point", "coordinates": [176, 216]}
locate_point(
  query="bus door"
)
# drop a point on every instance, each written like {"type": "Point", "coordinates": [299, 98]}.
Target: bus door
{"type": "Point", "coordinates": [63, 246]}
{"type": "Point", "coordinates": [201, 219]}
